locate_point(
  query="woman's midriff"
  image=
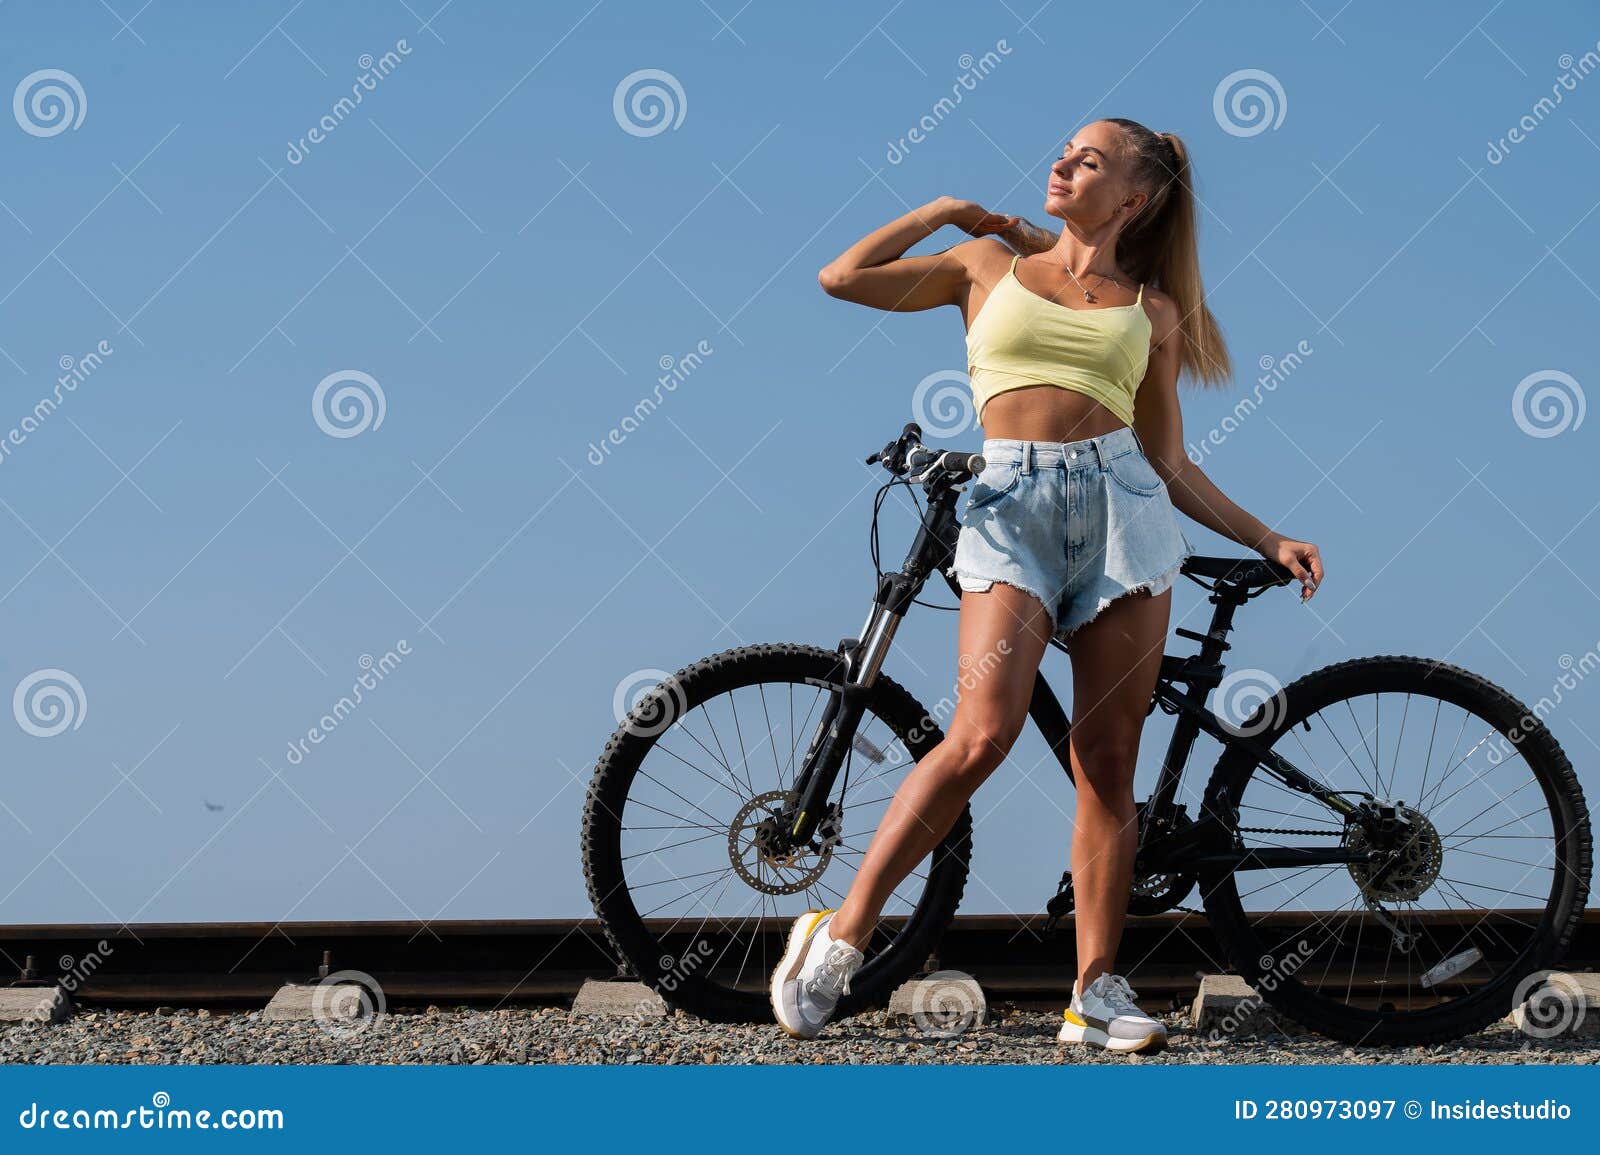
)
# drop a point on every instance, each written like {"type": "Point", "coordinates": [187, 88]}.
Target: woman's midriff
{"type": "Point", "coordinates": [1047, 413]}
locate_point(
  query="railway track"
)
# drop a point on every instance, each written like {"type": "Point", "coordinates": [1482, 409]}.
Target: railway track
{"type": "Point", "coordinates": [546, 960]}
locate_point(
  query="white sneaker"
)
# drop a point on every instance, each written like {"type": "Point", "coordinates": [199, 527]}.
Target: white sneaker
{"type": "Point", "coordinates": [1106, 1016]}
{"type": "Point", "coordinates": [814, 972]}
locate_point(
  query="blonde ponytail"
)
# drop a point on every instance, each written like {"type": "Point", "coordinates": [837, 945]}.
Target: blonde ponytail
{"type": "Point", "coordinates": [1161, 245]}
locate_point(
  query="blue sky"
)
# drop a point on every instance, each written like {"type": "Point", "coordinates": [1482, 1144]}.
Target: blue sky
{"type": "Point", "coordinates": [484, 238]}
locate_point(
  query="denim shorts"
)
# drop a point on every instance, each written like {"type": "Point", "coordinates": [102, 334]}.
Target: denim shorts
{"type": "Point", "coordinates": [1076, 524]}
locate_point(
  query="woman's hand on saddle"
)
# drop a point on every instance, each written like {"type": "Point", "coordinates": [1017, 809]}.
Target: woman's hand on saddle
{"type": "Point", "coordinates": [1301, 558]}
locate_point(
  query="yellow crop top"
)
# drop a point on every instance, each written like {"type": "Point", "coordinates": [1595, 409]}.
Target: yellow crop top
{"type": "Point", "coordinates": [1019, 338]}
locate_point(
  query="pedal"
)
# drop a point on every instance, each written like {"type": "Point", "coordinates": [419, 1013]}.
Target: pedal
{"type": "Point", "coordinates": [1061, 905]}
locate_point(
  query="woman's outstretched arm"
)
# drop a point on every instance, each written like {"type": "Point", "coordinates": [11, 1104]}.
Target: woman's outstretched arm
{"type": "Point", "coordinates": [874, 272]}
{"type": "Point", "coordinates": [1158, 421]}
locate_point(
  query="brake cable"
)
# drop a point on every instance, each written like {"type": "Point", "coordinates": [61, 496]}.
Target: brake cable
{"type": "Point", "coordinates": [877, 559]}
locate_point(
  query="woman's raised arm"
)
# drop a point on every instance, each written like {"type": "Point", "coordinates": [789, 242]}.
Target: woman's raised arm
{"type": "Point", "coordinates": [873, 272]}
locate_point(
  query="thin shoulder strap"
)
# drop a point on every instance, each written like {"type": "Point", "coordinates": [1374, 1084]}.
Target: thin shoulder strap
{"type": "Point", "coordinates": [1014, 264]}
{"type": "Point", "coordinates": [1140, 298]}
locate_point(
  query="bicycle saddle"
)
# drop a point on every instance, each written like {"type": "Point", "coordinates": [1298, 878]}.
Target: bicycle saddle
{"type": "Point", "coordinates": [1242, 571]}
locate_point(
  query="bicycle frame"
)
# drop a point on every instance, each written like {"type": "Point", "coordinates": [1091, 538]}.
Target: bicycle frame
{"type": "Point", "coordinates": [1169, 843]}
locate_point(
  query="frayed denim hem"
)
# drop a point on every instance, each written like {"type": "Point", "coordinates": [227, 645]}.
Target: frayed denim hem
{"type": "Point", "coordinates": [981, 585]}
{"type": "Point", "coordinates": [1157, 585]}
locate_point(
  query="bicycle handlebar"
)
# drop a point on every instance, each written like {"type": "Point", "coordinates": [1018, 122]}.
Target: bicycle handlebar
{"type": "Point", "coordinates": [947, 469]}
{"type": "Point", "coordinates": [923, 460]}
{"type": "Point", "coordinates": [907, 456]}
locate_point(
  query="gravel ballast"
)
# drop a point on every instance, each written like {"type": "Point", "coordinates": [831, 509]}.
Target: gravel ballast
{"type": "Point", "coordinates": [555, 1035]}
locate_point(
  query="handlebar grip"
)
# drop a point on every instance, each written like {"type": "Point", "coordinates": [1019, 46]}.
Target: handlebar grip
{"type": "Point", "coordinates": [923, 458]}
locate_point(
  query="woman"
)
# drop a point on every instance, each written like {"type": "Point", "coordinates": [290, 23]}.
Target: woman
{"type": "Point", "coordinates": [1074, 355]}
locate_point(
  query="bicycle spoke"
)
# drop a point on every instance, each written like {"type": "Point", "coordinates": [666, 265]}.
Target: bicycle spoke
{"type": "Point", "coordinates": [702, 794]}
{"type": "Point", "coordinates": [1438, 889]}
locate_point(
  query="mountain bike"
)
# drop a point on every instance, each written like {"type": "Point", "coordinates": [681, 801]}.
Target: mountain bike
{"type": "Point", "coordinates": [1387, 849]}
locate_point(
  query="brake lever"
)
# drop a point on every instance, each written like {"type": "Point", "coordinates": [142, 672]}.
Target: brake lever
{"type": "Point", "coordinates": [892, 455]}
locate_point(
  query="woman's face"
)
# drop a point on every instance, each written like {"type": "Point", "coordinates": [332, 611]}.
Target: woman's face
{"type": "Point", "coordinates": [1088, 182]}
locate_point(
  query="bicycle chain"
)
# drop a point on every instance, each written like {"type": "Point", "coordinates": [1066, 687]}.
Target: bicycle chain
{"type": "Point", "coordinates": [1256, 830]}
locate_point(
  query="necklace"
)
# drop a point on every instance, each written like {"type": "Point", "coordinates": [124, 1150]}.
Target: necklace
{"type": "Point", "coordinates": [1087, 295]}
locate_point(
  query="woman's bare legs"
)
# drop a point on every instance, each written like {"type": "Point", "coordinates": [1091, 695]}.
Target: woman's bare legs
{"type": "Point", "coordinates": [1002, 637]}
{"type": "Point", "coordinates": [1115, 661]}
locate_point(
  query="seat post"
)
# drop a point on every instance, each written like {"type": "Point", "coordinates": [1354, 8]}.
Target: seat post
{"type": "Point", "coordinates": [1227, 598]}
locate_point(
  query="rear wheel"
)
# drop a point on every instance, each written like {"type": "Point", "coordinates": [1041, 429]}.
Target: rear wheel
{"type": "Point", "coordinates": [1481, 883]}
{"type": "Point", "coordinates": [672, 850]}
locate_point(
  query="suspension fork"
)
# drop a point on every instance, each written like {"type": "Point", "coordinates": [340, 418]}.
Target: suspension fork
{"type": "Point", "coordinates": [861, 659]}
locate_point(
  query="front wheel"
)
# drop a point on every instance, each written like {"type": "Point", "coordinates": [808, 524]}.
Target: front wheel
{"type": "Point", "coordinates": [672, 852]}
{"type": "Point", "coordinates": [1483, 865]}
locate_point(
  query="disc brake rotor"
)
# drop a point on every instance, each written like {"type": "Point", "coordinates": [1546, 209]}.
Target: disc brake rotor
{"type": "Point", "coordinates": [779, 872]}
{"type": "Point", "coordinates": [1410, 865]}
